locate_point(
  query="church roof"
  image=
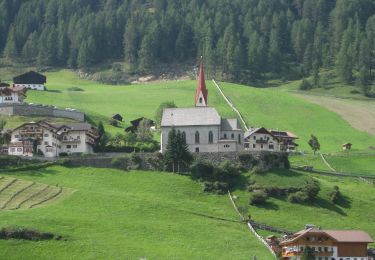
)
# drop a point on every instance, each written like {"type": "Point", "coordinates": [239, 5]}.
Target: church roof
{"type": "Point", "coordinates": [201, 86]}
{"type": "Point", "coordinates": [230, 124]}
{"type": "Point", "coordinates": [195, 116]}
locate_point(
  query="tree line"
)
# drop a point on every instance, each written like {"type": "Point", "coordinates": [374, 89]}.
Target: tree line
{"type": "Point", "coordinates": [242, 40]}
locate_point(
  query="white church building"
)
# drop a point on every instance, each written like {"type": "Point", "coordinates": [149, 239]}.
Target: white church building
{"type": "Point", "coordinates": [202, 126]}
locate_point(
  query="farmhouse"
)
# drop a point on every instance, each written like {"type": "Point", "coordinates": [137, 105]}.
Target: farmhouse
{"type": "Point", "coordinates": [203, 128]}
{"type": "Point", "coordinates": [52, 139]}
{"type": "Point", "coordinates": [30, 80]}
{"type": "Point", "coordinates": [286, 139]}
{"type": "Point", "coordinates": [14, 95]}
{"type": "Point", "coordinates": [327, 244]}
{"type": "Point", "coordinates": [260, 139]}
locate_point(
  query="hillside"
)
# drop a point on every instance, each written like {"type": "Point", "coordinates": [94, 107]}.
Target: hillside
{"type": "Point", "coordinates": [115, 214]}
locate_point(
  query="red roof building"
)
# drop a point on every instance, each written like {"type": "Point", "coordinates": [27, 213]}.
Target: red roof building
{"type": "Point", "coordinates": [201, 94]}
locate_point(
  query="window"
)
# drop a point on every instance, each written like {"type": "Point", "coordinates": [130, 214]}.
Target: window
{"type": "Point", "coordinates": [197, 137]}
{"type": "Point", "coordinates": [197, 149]}
{"type": "Point", "coordinates": [200, 100]}
{"type": "Point", "coordinates": [225, 136]}
{"type": "Point", "coordinates": [210, 137]}
{"type": "Point", "coordinates": [68, 146]}
{"type": "Point", "coordinates": [254, 146]}
{"type": "Point", "coordinates": [271, 147]}
{"type": "Point", "coordinates": [226, 146]}
{"type": "Point", "coordinates": [78, 137]}
{"type": "Point", "coordinates": [184, 136]}
{"type": "Point", "coordinates": [46, 135]}
{"type": "Point", "coordinates": [19, 149]}
{"type": "Point", "coordinates": [326, 249]}
{"type": "Point", "coordinates": [74, 146]}
{"type": "Point", "coordinates": [239, 138]}
{"type": "Point", "coordinates": [255, 137]}
{"type": "Point", "coordinates": [45, 143]}
{"type": "Point", "coordinates": [261, 146]}
{"type": "Point", "coordinates": [320, 249]}
{"type": "Point", "coordinates": [232, 136]}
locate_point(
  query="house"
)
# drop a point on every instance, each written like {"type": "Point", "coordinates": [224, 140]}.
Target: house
{"type": "Point", "coordinates": [14, 95]}
{"type": "Point", "coordinates": [117, 117]}
{"type": "Point", "coordinates": [260, 139]}
{"type": "Point", "coordinates": [21, 148]}
{"type": "Point", "coordinates": [347, 146]}
{"type": "Point", "coordinates": [286, 139]}
{"type": "Point", "coordinates": [327, 244]}
{"type": "Point", "coordinates": [135, 123]}
{"type": "Point", "coordinates": [202, 127]}
{"type": "Point", "coordinates": [53, 139]}
{"type": "Point", "coordinates": [30, 80]}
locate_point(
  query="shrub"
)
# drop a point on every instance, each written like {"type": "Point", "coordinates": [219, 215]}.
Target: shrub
{"type": "Point", "coordinates": [355, 92]}
{"type": "Point", "coordinates": [136, 160]}
{"type": "Point", "coordinates": [312, 189]}
{"type": "Point", "coordinates": [120, 163]}
{"type": "Point", "coordinates": [246, 159]}
{"type": "Point", "coordinates": [305, 85]}
{"type": "Point", "coordinates": [227, 172]}
{"type": "Point", "coordinates": [258, 198]}
{"type": "Point", "coordinates": [63, 154]}
{"type": "Point", "coordinates": [202, 170]}
{"type": "Point", "coordinates": [75, 89]}
{"type": "Point", "coordinates": [335, 195]}
{"type": "Point", "coordinates": [156, 161]}
{"type": "Point", "coordinates": [216, 187]}
{"type": "Point", "coordinates": [113, 122]}
{"type": "Point", "coordinates": [298, 197]}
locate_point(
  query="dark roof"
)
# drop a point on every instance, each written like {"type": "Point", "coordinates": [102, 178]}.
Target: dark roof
{"type": "Point", "coordinates": [260, 130]}
{"type": "Point", "coordinates": [30, 77]}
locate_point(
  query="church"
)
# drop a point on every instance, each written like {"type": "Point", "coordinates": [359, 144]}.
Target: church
{"type": "Point", "coordinates": [202, 127]}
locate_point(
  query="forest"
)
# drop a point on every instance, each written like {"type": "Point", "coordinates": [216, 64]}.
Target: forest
{"type": "Point", "coordinates": [241, 40]}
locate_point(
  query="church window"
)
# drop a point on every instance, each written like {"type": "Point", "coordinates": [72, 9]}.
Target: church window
{"type": "Point", "coordinates": [232, 136]}
{"type": "Point", "coordinates": [197, 149]}
{"type": "Point", "coordinates": [225, 136]}
{"type": "Point", "coordinates": [210, 137]}
{"type": "Point", "coordinates": [200, 100]}
{"type": "Point", "coordinates": [197, 137]}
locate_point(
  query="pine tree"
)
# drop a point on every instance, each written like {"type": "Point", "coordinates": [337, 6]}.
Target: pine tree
{"type": "Point", "coordinates": [10, 50]}
{"type": "Point", "coordinates": [182, 151]}
{"type": "Point", "coordinates": [83, 56]}
{"type": "Point", "coordinates": [171, 150]}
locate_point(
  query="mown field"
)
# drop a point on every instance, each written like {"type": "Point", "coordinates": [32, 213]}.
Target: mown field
{"type": "Point", "coordinates": [130, 215]}
{"type": "Point", "coordinates": [355, 211]}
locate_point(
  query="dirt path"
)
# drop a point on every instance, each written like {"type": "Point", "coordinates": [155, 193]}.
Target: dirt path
{"type": "Point", "coordinates": [359, 114]}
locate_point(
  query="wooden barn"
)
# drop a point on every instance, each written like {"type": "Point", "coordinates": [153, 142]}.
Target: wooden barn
{"type": "Point", "coordinates": [30, 80]}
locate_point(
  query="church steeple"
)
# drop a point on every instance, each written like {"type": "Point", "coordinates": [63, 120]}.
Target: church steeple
{"type": "Point", "coordinates": [201, 94]}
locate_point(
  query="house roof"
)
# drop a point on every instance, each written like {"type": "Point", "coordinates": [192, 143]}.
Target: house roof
{"type": "Point", "coordinates": [260, 130]}
{"type": "Point", "coordinates": [73, 126]}
{"type": "Point", "coordinates": [30, 77]}
{"type": "Point", "coordinates": [8, 90]}
{"type": "Point", "coordinates": [230, 124]}
{"type": "Point", "coordinates": [201, 86]}
{"type": "Point", "coordinates": [195, 116]}
{"type": "Point", "coordinates": [343, 236]}
{"type": "Point", "coordinates": [283, 134]}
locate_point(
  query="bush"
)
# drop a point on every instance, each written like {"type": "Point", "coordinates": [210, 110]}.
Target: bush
{"type": "Point", "coordinates": [63, 154]}
{"type": "Point", "coordinates": [120, 163]}
{"type": "Point", "coordinates": [202, 170]}
{"type": "Point", "coordinates": [305, 85]}
{"type": "Point", "coordinates": [355, 92]}
{"type": "Point", "coordinates": [298, 197]}
{"type": "Point", "coordinates": [216, 187]}
{"type": "Point", "coordinates": [113, 122]}
{"type": "Point", "coordinates": [246, 159]}
{"type": "Point", "coordinates": [312, 189]}
{"type": "Point", "coordinates": [335, 195]}
{"type": "Point", "coordinates": [136, 160]}
{"type": "Point", "coordinates": [227, 172]}
{"type": "Point", "coordinates": [156, 161]}
{"type": "Point", "coordinates": [258, 198]}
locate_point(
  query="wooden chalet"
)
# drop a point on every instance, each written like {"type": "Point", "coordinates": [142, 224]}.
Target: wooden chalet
{"type": "Point", "coordinates": [31, 80]}
{"type": "Point", "coordinates": [327, 244]}
{"type": "Point", "coordinates": [286, 139]}
{"type": "Point", "coordinates": [10, 95]}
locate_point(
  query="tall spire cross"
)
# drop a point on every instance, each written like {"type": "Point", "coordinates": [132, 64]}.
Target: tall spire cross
{"type": "Point", "coordinates": [201, 94]}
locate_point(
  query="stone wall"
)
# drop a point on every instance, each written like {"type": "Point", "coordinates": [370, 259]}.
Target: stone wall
{"type": "Point", "coordinates": [39, 110]}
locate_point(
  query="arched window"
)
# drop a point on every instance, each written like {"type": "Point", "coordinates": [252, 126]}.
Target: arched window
{"type": "Point", "coordinates": [239, 138]}
{"type": "Point", "coordinates": [225, 136]}
{"type": "Point", "coordinates": [210, 137]}
{"type": "Point", "coordinates": [184, 136]}
{"type": "Point", "coordinates": [200, 100]}
{"type": "Point", "coordinates": [232, 136]}
{"type": "Point", "coordinates": [197, 137]}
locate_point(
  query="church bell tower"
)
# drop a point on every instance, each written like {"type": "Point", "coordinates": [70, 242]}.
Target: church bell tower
{"type": "Point", "coordinates": [201, 94]}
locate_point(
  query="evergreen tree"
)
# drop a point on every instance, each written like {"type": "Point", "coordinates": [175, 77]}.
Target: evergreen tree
{"type": "Point", "coordinates": [10, 50]}
{"type": "Point", "coordinates": [171, 150]}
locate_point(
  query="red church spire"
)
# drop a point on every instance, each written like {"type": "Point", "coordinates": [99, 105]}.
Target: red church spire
{"type": "Point", "coordinates": [201, 94]}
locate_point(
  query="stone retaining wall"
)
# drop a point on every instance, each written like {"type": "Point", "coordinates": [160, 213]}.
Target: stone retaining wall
{"type": "Point", "coordinates": [39, 110]}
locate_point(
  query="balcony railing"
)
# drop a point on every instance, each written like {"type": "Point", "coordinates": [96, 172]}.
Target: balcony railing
{"type": "Point", "coordinates": [71, 140]}
{"type": "Point", "coordinates": [261, 141]}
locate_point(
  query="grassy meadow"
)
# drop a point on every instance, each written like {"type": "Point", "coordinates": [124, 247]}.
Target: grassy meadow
{"type": "Point", "coordinates": [130, 215]}
{"type": "Point", "coordinates": [355, 211]}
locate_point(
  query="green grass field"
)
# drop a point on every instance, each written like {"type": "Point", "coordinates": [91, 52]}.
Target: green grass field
{"type": "Point", "coordinates": [353, 163]}
{"type": "Point", "coordinates": [354, 212]}
{"type": "Point", "coordinates": [130, 215]}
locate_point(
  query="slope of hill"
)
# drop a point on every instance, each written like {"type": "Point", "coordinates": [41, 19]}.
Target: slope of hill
{"type": "Point", "coordinates": [115, 214]}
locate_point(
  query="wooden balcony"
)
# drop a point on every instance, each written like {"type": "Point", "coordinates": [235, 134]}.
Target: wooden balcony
{"type": "Point", "coordinates": [71, 141]}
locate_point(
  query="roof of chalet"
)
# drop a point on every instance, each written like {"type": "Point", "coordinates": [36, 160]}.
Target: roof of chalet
{"type": "Point", "coordinates": [195, 116]}
{"type": "Point", "coordinates": [201, 86]}
{"type": "Point", "coordinates": [30, 77]}
{"type": "Point", "coordinates": [261, 130]}
{"type": "Point", "coordinates": [230, 124]}
{"type": "Point", "coordinates": [56, 127]}
{"type": "Point", "coordinates": [7, 90]}
{"type": "Point", "coordinates": [343, 236]}
{"type": "Point", "coordinates": [282, 134]}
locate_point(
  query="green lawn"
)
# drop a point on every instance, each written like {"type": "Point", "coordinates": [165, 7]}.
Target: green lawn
{"type": "Point", "coordinates": [356, 211]}
{"type": "Point", "coordinates": [314, 160]}
{"type": "Point", "coordinates": [130, 215]}
{"type": "Point", "coordinates": [353, 163]}
{"type": "Point", "coordinates": [278, 109]}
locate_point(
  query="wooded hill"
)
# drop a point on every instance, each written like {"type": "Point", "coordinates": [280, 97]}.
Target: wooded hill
{"type": "Point", "coordinates": [241, 40]}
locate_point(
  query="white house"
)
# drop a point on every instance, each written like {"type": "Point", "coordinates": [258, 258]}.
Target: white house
{"type": "Point", "coordinates": [14, 95]}
{"type": "Point", "coordinates": [54, 139]}
{"type": "Point", "coordinates": [203, 128]}
{"type": "Point", "coordinates": [30, 80]}
{"type": "Point", "coordinates": [260, 139]}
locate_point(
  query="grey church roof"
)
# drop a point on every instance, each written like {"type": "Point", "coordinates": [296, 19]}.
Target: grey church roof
{"type": "Point", "coordinates": [195, 116]}
{"type": "Point", "coordinates": [230, 124]}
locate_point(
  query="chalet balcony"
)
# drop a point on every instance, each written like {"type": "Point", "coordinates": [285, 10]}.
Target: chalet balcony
{"type": "Point", "coordinates": [31, 131]}
{"type": "Point", "coordinates": [298, 253]}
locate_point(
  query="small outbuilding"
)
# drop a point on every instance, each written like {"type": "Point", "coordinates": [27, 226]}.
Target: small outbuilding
{"type": "Point", "coordinates": [135, 123]}
{"type": "Point", "coordinates": [347, 146]}
{"type": "Point", "coordinates": [30, 80]}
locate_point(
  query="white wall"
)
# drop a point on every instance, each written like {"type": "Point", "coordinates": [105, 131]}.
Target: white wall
{"type": "Point", "coordinates": [31, 86]}
{"type": "Point", "coordinates": [252, 145]}
{"type": "Point", "coordinates": [13, 98]}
